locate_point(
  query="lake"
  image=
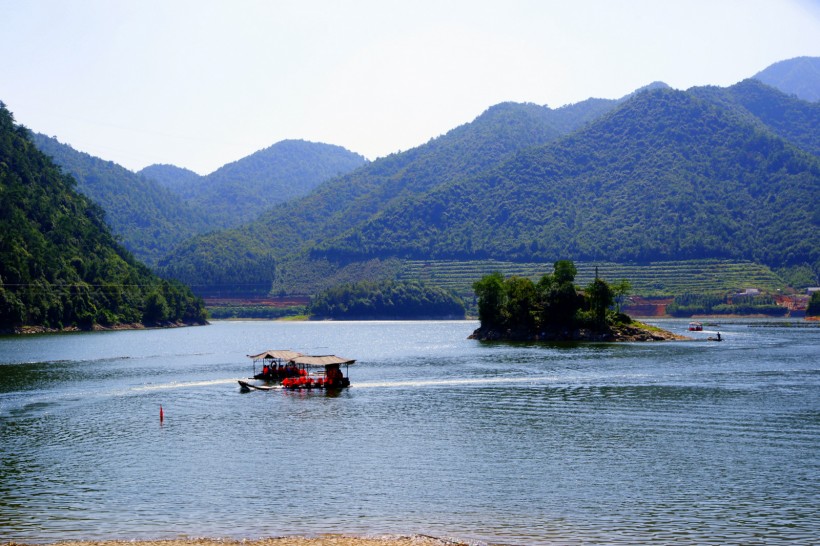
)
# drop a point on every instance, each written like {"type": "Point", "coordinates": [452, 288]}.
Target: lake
{"type": "Point", "coordinates": [672, 442]}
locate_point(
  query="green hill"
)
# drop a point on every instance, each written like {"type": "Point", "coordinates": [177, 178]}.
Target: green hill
{"type": "Point", "coordinates": [792, 120]}
{"type": "Point", "coordinates": [237, 192]}
{"type": "Point", "coordinates": [148, 218]}
{"type": "Point", "coordinates": [386, 300]}
{"type": "Point", "coordinates": [666, 175]}
{"type": "Point", "coordinates": [799, 77]}
{"type": "Point", "coordinates": [176, 179]}
{"type": "Point", "coordinates": [289, 230]}
{"type": "Point", "coordinates": [161, 206]}
{"type": "Point", "coordinates": [59, 263]}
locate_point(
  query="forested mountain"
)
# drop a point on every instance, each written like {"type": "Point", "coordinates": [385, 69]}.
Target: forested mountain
{"type": "Point", "coordinates": [176, 179]}
{"type": "Point", "coordinates": [666, 176]}
{"type": "Point", "coordinates": [161, 206]}
{"type": "Point", "coordinates": [574, 116]}
{"type": "Point", "coordinates": [59, 263]}
{"type": "Point", "coordinates": [793, 120]}
{"type": "Point", "coordinates": [237, 192]}
{"type": "Point", "coordinates": [333, 207]}
{"type": "Point", "coordinates": [707, 173]}
{"type": "Point", "coordinates": [799, 76]}
{"type": "Point", "coordinates": [148, 218]}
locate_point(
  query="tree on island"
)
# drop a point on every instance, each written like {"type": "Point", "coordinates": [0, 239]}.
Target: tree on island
{"type": "Point", "coordinates": [813, 309]}
{"type": "Point", "coordinates": [554, 308]}
{"type": "Point", "coordinates": [600, 297]}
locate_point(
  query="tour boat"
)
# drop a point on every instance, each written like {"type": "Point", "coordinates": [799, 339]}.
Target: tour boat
{"type": "Point", "coordinates": [298, 371]}
{"type": "Point", "coordinates": [695, 326]}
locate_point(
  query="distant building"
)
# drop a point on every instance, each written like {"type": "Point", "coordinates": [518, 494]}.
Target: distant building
{"type": "Point", "coordinates": [812, 290]}
{"type": "Point", "coordinates": [749, 292]}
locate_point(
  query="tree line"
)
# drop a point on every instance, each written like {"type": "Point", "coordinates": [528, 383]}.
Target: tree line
{"type": "Point", "coordinates": [687, 305]}
{"type": "Point", "coordinates": [386, 300]}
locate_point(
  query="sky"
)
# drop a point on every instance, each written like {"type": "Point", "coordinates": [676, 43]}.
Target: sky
{"type": "Point", "coordinates": [202, 83]}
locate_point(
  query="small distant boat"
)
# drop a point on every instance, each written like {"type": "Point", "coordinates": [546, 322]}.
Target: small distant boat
{"type": "Point", "coordinates": [715, 338]}
{"type": "Point", "coordinates": [695, 326]}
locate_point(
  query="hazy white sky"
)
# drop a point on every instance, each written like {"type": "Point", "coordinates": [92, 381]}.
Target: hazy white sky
{"type": "Point", "coordinates": [200, 83]}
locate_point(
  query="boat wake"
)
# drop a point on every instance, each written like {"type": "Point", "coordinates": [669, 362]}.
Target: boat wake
{"type": "Point", "coordinates": [454, 382]}
{"type": "Point", "coordinates": [183, 385]}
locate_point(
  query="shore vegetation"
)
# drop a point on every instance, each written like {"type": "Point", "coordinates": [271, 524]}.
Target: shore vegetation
{"type": "Point", "coordinates": [386, 300]}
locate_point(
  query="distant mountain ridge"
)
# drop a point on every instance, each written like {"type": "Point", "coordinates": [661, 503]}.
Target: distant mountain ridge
{"type": "Point", "coordinates": [799, 77]}
{"type": "Point", "coordinates": [659, 175]}
{"type": "Point", "coordinates": [163, 205]}
{"type": "Point", "coordinates": [176, 179]}
{"type": "Point", "coordinates": [149, 218]}
{"type": "Point", "coordinates": [237, 192]}
{"type": "Point", "coordinates": [793, 120]}
{"type": "Point", "coordinates": [497, 134]}
{"type": "Point", "coordinates": [341, 220]}
{"type": "Point", "coordinates": [574, 116]}
{"type": "Point", "coordinates": [666, 176]}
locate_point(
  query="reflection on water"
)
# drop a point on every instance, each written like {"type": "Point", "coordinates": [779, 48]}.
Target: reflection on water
{"type": "Point", "coordinates": [686, 442]}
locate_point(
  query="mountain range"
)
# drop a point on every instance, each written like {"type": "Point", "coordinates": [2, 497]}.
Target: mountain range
{"type": "Point", "coordinates": [667, 175]}
{"type": "Point", "coordinates": [161, 206]}
{"type": "Point", "coordinates": [659, 174]}
{"type": "Point", "coordinates": [286, 232]}
{"type": "Point", "coordinates": [799, 77]}
{"type": "Point", "coordinates": [237, 192]}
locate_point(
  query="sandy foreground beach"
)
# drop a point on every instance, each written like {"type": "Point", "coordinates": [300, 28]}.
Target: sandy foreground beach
{"type": "Point", "coordinates": [318, 540]}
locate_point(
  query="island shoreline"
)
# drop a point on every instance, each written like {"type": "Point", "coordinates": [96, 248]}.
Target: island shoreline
{"type": "Point", "coordinates": [31, 330]}
{"type": "Point", "coordinates": [634, 331]}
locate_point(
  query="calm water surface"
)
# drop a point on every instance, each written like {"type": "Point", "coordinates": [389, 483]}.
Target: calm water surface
{"type": "Point", "coordinates": [682, 442]}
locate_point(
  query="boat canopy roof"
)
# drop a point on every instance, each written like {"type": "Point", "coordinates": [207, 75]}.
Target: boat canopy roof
{"type": "Point", "coordinates": [325, 360]}
{"type": "Point", "coordinates": [286, 354]}
{"type": "Point", "coordinates": [302, 359]}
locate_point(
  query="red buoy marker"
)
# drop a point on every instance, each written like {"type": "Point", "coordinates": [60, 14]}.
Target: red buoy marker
{"type": "Point", "coordinates": [161, 415]}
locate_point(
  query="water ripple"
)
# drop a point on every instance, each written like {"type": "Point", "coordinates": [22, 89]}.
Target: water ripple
{"type": "Point", "coordinates": [505, 444]}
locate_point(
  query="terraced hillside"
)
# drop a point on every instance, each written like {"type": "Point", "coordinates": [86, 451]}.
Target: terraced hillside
{"type": "Point", "coordinates": [649, 280]}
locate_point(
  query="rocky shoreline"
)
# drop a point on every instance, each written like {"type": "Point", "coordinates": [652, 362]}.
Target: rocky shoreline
{"type": "Point", "coordinates": [635, 331]}
{"type": "Point", "coordinates": [23, 330]}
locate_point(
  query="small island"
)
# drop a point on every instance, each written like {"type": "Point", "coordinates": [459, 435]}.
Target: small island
{"type": "Point", "coordinates": [555, 309]}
